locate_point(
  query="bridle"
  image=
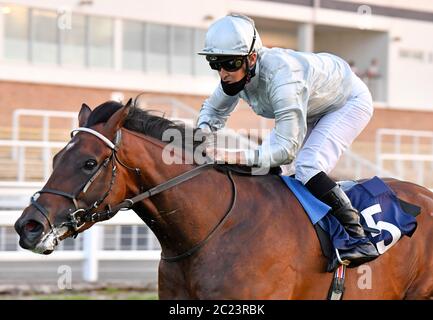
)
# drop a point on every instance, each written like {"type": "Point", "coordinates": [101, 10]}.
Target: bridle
{"type": "Point", "coordinates": [78, 217]}
{"type": "Point", "coordinates": [81, 215]}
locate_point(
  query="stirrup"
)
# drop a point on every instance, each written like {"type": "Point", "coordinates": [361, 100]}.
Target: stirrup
{"type": "Point", "coordinates": [342, 262]}
{"type": "Point", "coordinates": [336, 290]}
{"type": "Point", "coordinates": [336, 261]}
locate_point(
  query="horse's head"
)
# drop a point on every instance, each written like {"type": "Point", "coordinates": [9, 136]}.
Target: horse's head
{"type": "Point", "coordinates": [84, 172]}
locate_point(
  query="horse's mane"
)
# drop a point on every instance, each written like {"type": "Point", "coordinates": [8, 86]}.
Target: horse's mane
{"type": "Point", "coordinates": [141, 121]}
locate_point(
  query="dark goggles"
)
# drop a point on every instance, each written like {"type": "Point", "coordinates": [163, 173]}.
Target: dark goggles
{"type": "Point", "coordinates": [229, 64]}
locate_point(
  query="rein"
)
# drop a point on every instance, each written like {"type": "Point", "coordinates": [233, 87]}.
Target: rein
{"type": "Point", "coordinates": [80, 216]}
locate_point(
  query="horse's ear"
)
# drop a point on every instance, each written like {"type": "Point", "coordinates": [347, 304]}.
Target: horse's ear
{"type": "Point", "coordinates": [118, 118]}
{"type": "Point", "coordinates": [129, 103]}
{"type": "Point", "coordinates": [84, 115]}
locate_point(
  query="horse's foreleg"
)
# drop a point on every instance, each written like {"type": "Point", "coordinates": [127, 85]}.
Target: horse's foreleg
{"type": "Point", "coordinates": [422, 288]}
{"type": "Point", "coordinates": [171, 285]}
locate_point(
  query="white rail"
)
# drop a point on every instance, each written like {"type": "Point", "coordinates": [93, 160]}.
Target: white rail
{"type": "Point", "coordinates": [417, 156]}
{"type": "Point", "coordinates": [21, 145]}
{"type": "Point", "coordinates": [46, 116]}
{"type": "Point", "coordinates": [92, 244]}
{"type": "Point", "coordinates": [362, 168]}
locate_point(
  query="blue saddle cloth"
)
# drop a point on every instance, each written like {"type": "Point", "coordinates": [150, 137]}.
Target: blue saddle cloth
{"type": "Point", "coordinates": [379, 208]}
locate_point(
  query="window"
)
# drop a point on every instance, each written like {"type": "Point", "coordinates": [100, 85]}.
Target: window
{"type": "Point", "coordinates": [8, 239]}
{"type": "Point", "coordinates": [129, 238]}
{"type": "Point", "coordinates": [100, 42]}
{"type": "Point", "coordinates": [143, 239]}
{"type": "Point", "coordinates": [157, 48]}
{"type": "Point", "coordinates": [71, 244]}
{"type": "Point", "coordinates": [33, 35]}
{"type": "Point", "coordinates": [111, 238]}
{"type": "Point", "coordinates": [146, 240]}
{"type": "Point", "coordinates": [133, 45]}
{"type": "Point", "coordinates": [44, 36]}
{"type": "Point", "coordinates": [181, 50]}
{"type": "Point", "coordinates": [16, 28]}
{"type": "Point", "coordinates": [73, 42]}
{"type": "Point", "coordinates": [126, 237]}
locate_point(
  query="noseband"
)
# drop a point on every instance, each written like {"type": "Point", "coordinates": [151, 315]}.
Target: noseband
{"type": "Point", "coordinates": [78, 217]}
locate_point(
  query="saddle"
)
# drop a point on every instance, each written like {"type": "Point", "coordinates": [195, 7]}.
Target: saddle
{"type": "Point", "coordinates": [251, 171]}
{"type": "Point", "coordinates": [372, 198]}
{"type": "Point", "coordinates": [324, 239]}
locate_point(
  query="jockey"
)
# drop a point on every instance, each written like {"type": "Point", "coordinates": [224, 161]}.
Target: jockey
{"type": "Point", "coordinates": [319, 105]}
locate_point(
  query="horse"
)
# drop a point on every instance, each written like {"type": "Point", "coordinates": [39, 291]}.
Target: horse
{"type": "Point", "coordinates": [222, 235]}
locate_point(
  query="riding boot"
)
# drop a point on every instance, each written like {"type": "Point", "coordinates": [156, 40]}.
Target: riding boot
{"type": "Point", "coordinates": [348, 216]}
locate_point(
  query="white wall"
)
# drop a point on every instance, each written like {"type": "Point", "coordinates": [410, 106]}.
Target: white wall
{"type": "Point", "coordinates": [189, 13]}
{"type": "Point", "coordinates": [421, 5]}
{"type": "Point", "coordinates": [164, 11]}
{"type": "Point", "coordinates": [409, 81]}
{"type": "Point", "coordinates": [411, 78]}
{"type": "Point", "coordinates": [97, 78]}
{"type": "Point", "coordinates": [359, 46]}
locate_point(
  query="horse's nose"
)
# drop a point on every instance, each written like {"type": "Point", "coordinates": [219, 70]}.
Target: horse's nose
{"type": "Point", "coordinates": [30, 232]}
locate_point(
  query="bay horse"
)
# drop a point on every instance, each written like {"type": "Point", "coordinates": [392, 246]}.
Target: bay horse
{"type": "Point", "coordinates": [222, 236]}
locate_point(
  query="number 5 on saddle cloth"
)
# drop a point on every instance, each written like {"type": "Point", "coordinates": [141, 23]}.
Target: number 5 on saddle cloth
{"type": "Point", "coordinates": [378, 205]}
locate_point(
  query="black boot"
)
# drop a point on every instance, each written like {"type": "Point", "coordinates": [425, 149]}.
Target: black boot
{"type": "Point", "coordinates": [350, 219]}
{"type": "Point", "coordinates": [348, 216]}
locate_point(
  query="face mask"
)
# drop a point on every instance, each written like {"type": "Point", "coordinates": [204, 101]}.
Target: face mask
{"type": "Point", "coordinates": [232, 89]}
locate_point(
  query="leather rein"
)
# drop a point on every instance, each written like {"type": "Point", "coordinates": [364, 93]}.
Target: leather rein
{"type": "Point", "coordinates": [78, 217]}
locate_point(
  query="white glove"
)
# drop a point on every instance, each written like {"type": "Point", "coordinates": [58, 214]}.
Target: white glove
{"type": "Point", "coordinates": [205, 128]}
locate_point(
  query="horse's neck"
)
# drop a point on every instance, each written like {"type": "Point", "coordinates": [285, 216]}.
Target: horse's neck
{"type": "Point", "coordinates": [183, 215]}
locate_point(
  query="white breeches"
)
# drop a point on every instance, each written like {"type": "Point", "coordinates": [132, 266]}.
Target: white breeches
{"type": "Point", "coordinates": [334, 133]}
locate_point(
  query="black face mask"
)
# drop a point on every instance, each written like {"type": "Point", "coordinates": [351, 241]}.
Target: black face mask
{"type": "Point", "coordinates": [232, 89]}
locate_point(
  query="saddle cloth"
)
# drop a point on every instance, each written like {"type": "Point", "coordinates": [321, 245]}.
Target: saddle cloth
{"type": "Point", "coordinates": [379, 208]}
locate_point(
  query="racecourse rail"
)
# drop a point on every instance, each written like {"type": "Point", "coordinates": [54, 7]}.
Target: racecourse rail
{"type": "Point", "coordinates": [92, 251]}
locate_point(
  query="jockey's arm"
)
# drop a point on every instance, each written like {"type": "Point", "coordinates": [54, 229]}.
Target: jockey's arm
{"type": "Point", "coordinates": [287, 135]}
{"type": "Point", "coordinates": [216, 109]}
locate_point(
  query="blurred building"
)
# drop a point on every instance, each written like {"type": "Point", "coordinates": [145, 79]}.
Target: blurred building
{"type": "Point", "coordinates": [57, 54]}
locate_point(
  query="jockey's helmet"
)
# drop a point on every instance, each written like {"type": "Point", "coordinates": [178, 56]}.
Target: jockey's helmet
{"type": "Point", "coordinates": [232, 35]}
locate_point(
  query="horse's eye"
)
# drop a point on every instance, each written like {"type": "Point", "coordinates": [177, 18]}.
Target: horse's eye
{"type": "Point", "coordinates": [89, 165]}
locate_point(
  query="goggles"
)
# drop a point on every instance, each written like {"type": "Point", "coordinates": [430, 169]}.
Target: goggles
{"type": "Point", "coordinates": [229, 64]}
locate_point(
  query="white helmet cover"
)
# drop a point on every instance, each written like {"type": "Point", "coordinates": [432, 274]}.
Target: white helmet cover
{"type": "Point", "coordinates": [232, 35]}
